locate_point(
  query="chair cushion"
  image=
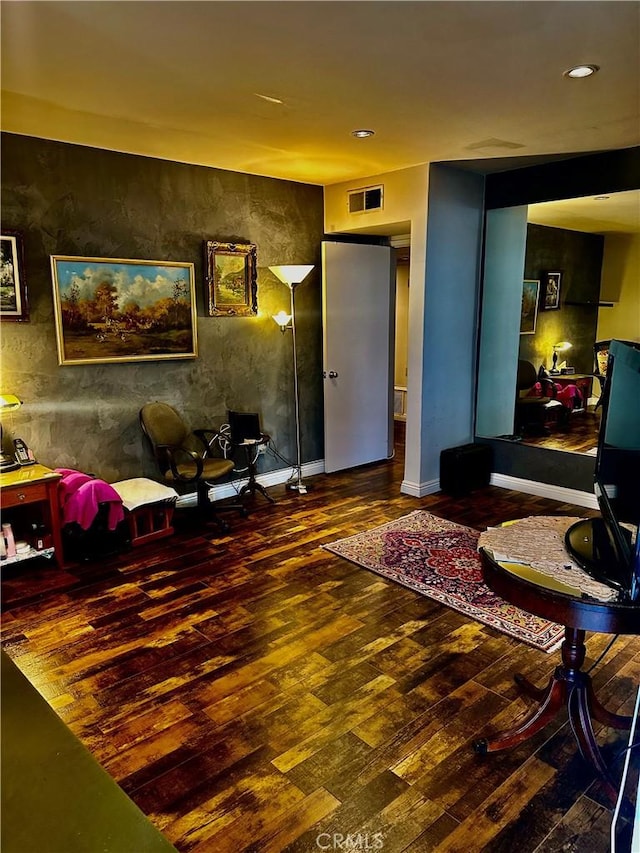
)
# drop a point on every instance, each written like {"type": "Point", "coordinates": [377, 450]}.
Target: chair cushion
{"type": "Point", "coordinates": [213, 469]}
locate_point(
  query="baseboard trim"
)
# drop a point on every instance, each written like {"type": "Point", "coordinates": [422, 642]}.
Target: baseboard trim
{"type": "Point", "coordinates": [545, 490]}
{"type": "Point", "coordinates": [271, 478]}
{"type": "Point", "coordinates": [419, 490]}
{"type": "Point", "coordinates": [416, 490]}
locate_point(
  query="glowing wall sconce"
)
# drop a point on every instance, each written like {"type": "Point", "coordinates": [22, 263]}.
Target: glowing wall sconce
{"type": "Point", "coordinates": [283, 320]}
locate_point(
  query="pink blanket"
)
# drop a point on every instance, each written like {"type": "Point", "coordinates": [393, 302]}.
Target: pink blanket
{"type": "Point", "coordinates": [569, 395]}
{"type": "Point", "coordinates": [80, 496]}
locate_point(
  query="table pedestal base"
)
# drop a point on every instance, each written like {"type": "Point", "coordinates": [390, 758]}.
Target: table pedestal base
{"type": "Point", "coordinates": [569, 687]}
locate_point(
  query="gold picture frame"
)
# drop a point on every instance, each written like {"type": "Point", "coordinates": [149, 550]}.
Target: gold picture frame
{"type": "Point", "coordinates": [14, 305]}
{"type": "Point", "coordinates": [111, 310]}
{"type": "Point", "coordinates": [529, 308]}
{"type": "Point", "coordinates": [232, 288]}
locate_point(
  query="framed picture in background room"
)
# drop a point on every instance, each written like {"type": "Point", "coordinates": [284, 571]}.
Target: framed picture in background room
{"type": "Point", "coordinates": [529, 310]}
{"type": "Point", "coordinates": [551, 297]}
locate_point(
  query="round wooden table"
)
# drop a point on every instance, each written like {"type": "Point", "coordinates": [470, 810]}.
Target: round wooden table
{"type": "Point", "coordinates": [569, 686]}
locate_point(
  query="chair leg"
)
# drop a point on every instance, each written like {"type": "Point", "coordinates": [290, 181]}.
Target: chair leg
{"type": "Point", "coordinates": [224, 507]}
{"type": "Point", "coordinates": [206, 509]}
{"type": "Point", "coordinates": [209, 510]}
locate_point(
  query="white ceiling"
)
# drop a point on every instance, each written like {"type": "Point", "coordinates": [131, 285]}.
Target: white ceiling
{"type": "Point", "coordinates": [617, 213]}
{"type": "Point", "coordinates": [435, 80]}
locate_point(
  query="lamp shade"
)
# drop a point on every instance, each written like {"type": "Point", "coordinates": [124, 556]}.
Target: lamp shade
{"type": "Point", "coordinates": [9, 402]}
{"type": "Point", "coordinates": [292, 273]}
{"type": "Point", "coordinates": [282, 318]}
{"type": "Point", "coordinates": [562, 346]}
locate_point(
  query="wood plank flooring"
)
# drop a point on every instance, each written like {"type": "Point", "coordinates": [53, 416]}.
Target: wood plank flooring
{"type": "Point", "coordinates": [257, 693]}
{"type": "Point", "coordinates": [579, 436]}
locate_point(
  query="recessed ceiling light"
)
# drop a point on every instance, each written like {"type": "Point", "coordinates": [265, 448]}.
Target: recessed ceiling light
{"type": "Point", "coordinates": [269, 98]}
{"type": "Point", "coordinates": [362, 134]}
{"type": "Point", "coordinates": [579, 71]}
{"type": "Point", "coordinates": [600, 197]}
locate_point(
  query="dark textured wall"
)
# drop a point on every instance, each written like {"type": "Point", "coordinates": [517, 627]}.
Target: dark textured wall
{"type": "Point", "coordinates": [579, 257]}
{"type": "Point", "coordinates": [68, 199]}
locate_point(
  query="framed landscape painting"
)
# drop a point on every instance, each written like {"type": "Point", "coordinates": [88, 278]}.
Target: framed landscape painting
{"type": "Point", "coordinates": [529, 311]}
{"type": "Point", "coordinates": [114, 310]}
{"type": "Point", "coordinates": [232, 289]}
{"type": "Point", "coordinates": [13, 290]}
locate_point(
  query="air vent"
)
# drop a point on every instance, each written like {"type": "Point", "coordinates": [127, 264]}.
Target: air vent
{"type": "Point", "coordinates": [366, 199]}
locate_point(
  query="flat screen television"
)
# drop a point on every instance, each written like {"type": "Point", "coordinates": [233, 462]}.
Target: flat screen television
{"type": "Point", "coordinates": [607, 549]}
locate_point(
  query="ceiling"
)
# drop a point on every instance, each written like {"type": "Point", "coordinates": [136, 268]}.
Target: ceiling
{"type": "Point", "coordinates": [618, 213]}
{"type": "Point", "coordinates": [437, 81]}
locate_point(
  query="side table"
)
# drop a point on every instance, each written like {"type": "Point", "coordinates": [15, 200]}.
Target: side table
{"type": "Point", "coordinates": [36, 487]}
{"type": "Point", "coordinates": [568, 686]}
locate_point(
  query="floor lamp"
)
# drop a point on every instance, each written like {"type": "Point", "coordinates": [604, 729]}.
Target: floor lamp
{"type": "Point", "coordinates": [292, 276]}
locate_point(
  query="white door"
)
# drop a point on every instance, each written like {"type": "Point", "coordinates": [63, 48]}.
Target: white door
{"type": "Point", "coordinates": [358, 305]}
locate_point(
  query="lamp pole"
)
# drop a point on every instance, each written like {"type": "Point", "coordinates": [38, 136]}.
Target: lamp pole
{"type": "Point", "coordinates": [298, 485]}
{"type": "Point", "coordinates": [292, 275]}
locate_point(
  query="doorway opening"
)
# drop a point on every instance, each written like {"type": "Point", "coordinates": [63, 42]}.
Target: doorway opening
{"type": "Point", "coordinates": [401, 349]}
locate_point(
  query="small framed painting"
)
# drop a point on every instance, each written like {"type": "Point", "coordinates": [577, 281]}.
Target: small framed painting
{"type": "Point", "coordinates": [529, 310]}
{"type": "Point", "coordinates": [232, 289]}
{"type": "Point", "coordinates": [551, 298]}
{"type": "Point", "coordinates": [13, 290]}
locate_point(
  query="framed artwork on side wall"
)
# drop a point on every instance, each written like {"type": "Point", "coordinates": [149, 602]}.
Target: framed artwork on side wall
{"type": "Point", "coordinates": [13, 289]}
{"type": "Point", "coordinates": [529, 310]}
{"type": "Point", "coordinates": [551, 296]}
{"type": "Point", "coordinates": [114, 310]}
{"type": "Point", "coordinates": [232, 289]}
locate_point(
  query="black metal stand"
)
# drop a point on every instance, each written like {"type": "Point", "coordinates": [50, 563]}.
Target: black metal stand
{"type": "Point", "coordinates": [252, 485]}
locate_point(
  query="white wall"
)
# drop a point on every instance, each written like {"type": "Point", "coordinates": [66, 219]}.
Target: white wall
{"type": "Point", "coordinates": [442, 300]}
{"type": "Point", "coordinates": [621, 285]}
{"type": "Point", "coordinates": [404, 212]}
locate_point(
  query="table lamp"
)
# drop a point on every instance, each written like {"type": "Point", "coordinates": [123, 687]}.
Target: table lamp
{"type": "Point", "coordinates": [8, 403]}
{"type": "Point", "coordinates": [562, 346]}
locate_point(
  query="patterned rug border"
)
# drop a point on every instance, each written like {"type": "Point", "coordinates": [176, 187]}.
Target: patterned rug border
{"type": "Point", "coordinates": [547, 638]}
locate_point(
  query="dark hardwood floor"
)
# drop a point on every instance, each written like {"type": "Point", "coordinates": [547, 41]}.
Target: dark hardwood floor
{"type": "Point", "coordinates": [579, 436]}
{"type": "Point", "coordinates": [257, 693]}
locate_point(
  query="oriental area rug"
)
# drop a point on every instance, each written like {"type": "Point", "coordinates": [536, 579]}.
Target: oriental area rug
{"type": "Point", "coordinates": [438, 558]}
